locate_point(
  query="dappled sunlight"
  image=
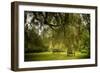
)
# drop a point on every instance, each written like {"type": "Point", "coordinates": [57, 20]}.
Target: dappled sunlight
{"type": "Point", "coordinates": [56, 36]}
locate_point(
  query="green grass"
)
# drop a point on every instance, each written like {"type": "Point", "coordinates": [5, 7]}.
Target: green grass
{"type": "Point", "coordinates": [53, 56]}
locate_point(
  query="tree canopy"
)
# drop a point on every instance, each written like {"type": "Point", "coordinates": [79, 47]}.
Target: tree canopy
{"type": "Point", "coordinates": [52, 31]}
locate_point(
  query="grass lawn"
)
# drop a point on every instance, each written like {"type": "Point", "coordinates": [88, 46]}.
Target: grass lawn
{"type": "Point", "coordinates": [53, 56]}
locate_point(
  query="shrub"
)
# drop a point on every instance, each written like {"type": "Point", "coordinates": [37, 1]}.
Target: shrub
{"type": "Point", "coordinates": [36, 50]}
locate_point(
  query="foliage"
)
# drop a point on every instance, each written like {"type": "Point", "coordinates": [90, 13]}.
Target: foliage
{"type": "Point", "coordinates": [57, 32]}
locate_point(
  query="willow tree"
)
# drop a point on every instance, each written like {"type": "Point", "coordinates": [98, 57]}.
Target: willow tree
{"type": "Point", "coordinates": [61, 31]}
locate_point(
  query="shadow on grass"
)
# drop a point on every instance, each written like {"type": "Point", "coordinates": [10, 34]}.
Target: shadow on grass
{"type": "Point", "coordinates": [52, 56]}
